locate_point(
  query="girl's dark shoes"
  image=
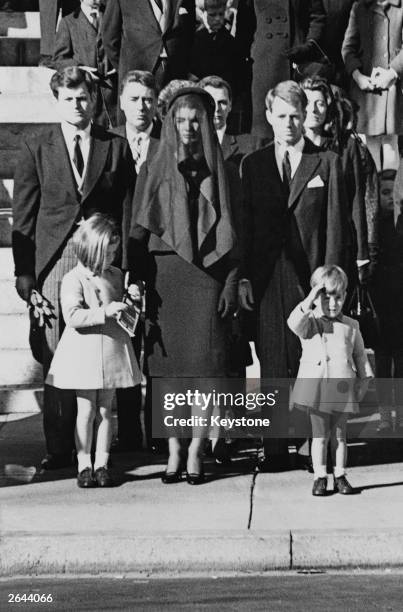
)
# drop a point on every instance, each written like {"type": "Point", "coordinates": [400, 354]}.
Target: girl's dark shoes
{"type": "Point", "coordinates": [172, 477]}
{"type": "Point", "coordinates": [341, 485]}
{"type": "Point", "coordinates": [103, 477]}
{"type": "Point", "coordinates": [85, 479]}
{"type": "Point", "coordinates": [319, 488]}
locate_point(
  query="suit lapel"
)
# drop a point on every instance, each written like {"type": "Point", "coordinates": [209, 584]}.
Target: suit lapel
{"type": "Point", "coordinates": [309, 163]}
{"type": "Point", "coordinates": [148, 13]}
{"type": "Point", "coordinates": [99, 149]}
{"type": "Point", "coordinates": [171, 10]}
{"type": "Point", "coordinates": [228, 146]}
{"type": "Point", "coordinates": [60, 162]}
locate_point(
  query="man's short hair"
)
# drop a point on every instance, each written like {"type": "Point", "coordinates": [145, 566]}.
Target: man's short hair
{"type": "Point", "coordinates": [290, 92]}
{"type": "Point", "coordinates": [72, 77]}
{"type": "Point", "coordinates": [216, 82]}
{"type": "Point", "coordinates": [144, 77]}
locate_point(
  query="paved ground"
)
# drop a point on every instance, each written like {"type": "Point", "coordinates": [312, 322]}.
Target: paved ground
{"type": "Point", "coordinates": [238, 521]}
{"type": "Point", "coordinates": [276, 593]}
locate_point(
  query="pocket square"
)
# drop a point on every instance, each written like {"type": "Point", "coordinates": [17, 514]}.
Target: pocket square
{"type": "Point", "coordinates": [315, 182]}
{"type": "Point", "coordinates": [183, 11]}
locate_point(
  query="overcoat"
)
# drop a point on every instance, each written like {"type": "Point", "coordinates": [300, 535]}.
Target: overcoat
{"type": "Point", "coordinates": [94, 352]}
{"type": "Point", "coordinates": [374, 39]}
{"type": "Point", "coordinates": [333, 353]}
{"type": "Point", "coordinates": [266, 29]}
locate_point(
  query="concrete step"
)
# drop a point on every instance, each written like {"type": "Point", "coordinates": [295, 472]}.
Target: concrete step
{"type": "Point", "coordinates": [6, 264]}
{"type": "Point", "coordinates": [14, 331]}
{"type": "Point", "coordinates": [20, 25]}
{"type": "Point", "coordinates": [33, 108]}
{"type": "Point", "coordinates": [6, 221]}
{"type": "Point", "coordinates": [10, 302]}
{"type": "Point", "coordinates": [19, 51]}
{"type": "Point", "coordinates": [24, 80]}
{"type": "Point", "coordinates": [14, 400]}
{"type": "Point", "coordinates": [18, 367]}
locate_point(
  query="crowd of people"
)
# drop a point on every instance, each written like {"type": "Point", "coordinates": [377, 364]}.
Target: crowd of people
{"type": "Point", "coordinates": [223, 169]}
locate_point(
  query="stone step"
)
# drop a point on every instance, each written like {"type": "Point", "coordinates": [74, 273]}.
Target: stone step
{"type": "Point", "coordinates": [19, 51]}
{"type": "Point", "coordinates": [33, 108]}
{"type": "Point", "coordinates": [14, 331]}
{"type": "Point", "coordinates": [6, 264]}
{"type": "Point", "coordinates": [14, 400]}
{"type": "Point", "coordinates": [20, 25]}
{"type": "Point", "coordinates": [18, 367]}
{"type": "Point", "coordinates": [6, 192]}
{"type": "Point", "coordinates": [24, 80]}
{"type": "Point", "coordinates": [10, 302]}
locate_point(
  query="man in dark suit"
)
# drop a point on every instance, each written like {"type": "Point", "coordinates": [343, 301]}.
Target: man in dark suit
{"type": "Point", "coordinates": [79, 43]}
{"type": "Point", "coordinates": [295, 220]}
{"type": "Point", "coordinates": [70, 172]}
{"type": "Point", "coordinates": [153, 35]}
{"type": "Point", "coordinates": [138, 101]}
{"type": "Point", "coordinates": [277, 34]}
{"type": "Point", "coordinates": [49, 14]}
{"type": "Point", "coordinates": [220, 91]}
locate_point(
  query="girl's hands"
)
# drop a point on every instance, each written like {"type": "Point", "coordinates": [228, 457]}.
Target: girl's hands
{"type": "Point", "coordinates": [312, 297]}
{"type": "Point", "coordinates": [114, 308]}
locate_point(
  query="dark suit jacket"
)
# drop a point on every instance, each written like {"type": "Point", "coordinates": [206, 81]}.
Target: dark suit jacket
{"type": "Point", "coordinates": [133, 39]}
{"type": "Point", "coordinates": [46, 201]}
{"type": "Point", "coordinates": [128, 205]}
{"type": "Point", "coordinates": [311, 224]}
{"type": "Point", "coordinates": [231, 149]}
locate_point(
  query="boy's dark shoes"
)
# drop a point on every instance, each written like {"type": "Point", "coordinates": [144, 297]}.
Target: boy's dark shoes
{"type": "Point", "coordinates": [85, 479]}
{"type": "Point", "coordinates": [56, 461]}
{"type": "Point", "coordinates": [319, 488]}
{"type": "Point", "coordinates": [103, 477]}
{"type": "Point", "coordinates": [341, 485]}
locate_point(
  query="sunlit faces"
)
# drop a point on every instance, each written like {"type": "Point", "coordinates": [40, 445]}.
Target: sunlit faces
{"type": "Point", "coordinates": [188, 125]}
{"type": "Point", "coordinates": [316, 110]}
{"type": "Point", "coordinates": [287, 121]}
{"type": "Point", "coordinates": [75, 105]}
{"type": "Point", "coordinates": [223, 105]}
{"type": "Point", "coordinates": [331, 301]}
{"type": "Point", "coordinates": [215, 18]}
{"type": "Point", "coordinates": [139, 104]}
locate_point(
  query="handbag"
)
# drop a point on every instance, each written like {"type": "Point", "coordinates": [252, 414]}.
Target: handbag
{"type": "Point", "coordinates": [361, 308]}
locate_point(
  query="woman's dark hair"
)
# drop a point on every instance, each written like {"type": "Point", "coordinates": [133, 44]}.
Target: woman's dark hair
{"type": "Point", "coordinates": [331, 127]}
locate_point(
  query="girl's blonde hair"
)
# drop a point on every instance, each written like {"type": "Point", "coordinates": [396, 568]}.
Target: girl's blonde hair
{"type": "Point", "coordinates": [333, 277]}
{"type": "Point", "coordinates": [92, 239]}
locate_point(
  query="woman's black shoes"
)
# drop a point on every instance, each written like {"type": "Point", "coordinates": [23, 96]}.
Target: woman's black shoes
{"type": "Point", "coordinates": [341, 485]}
{"type": "Point", "coordinates": [195, 479]}
{"type": "Point", "coordinates": [172, 477]}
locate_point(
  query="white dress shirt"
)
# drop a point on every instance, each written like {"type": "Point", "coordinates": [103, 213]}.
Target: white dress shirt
{"type": "Point", "coordinates": [88, 12]}
{"type": "Point", "coordinates": [69, 133]}
{"type": "Point", "coordinates": [132, 136]}
{"type": "Point", "coordinates": [221, 134]}
{"type": "Point", "coordinates": [294, 152]}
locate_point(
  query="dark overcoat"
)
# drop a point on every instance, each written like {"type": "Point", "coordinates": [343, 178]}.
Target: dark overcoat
{"type": "Point", "coordinates": [374, 39]}
{"type": "Point", "coordinates": [133, 39]}
{"type": "Point", "coordinates": [46, 203]}
{"type": "Point", "coordinates": [266, 29]}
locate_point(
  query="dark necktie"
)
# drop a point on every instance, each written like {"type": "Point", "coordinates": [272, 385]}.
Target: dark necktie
{"type": "Point", "coordinates": [78, 156]}
{"type": "Point", "coordinates": [287, 170]}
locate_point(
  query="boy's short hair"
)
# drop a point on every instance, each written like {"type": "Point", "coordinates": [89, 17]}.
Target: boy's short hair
{"type": "Point", "coordinates": [71, 77]}
{"type": "Point", "coordinates": [92, 239]}
{"type": "Point", "coordinates": [216, 82]}
{"type": "Point", "coordinates": [214, 4]}
{"type": "Point", "coordinates": [333, 277]}
{"type": "Point", "coordinates": [144, 77]}
{"type": "Point", "coordinates": [290, 92]}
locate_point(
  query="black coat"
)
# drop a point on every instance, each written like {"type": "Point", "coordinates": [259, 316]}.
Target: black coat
{"type": "Point", "coordinates": [46, 202]}
{"type": "Point", "coordinates": [312, 226]}
{"type": "Point", "coordinates": [133, 39]}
